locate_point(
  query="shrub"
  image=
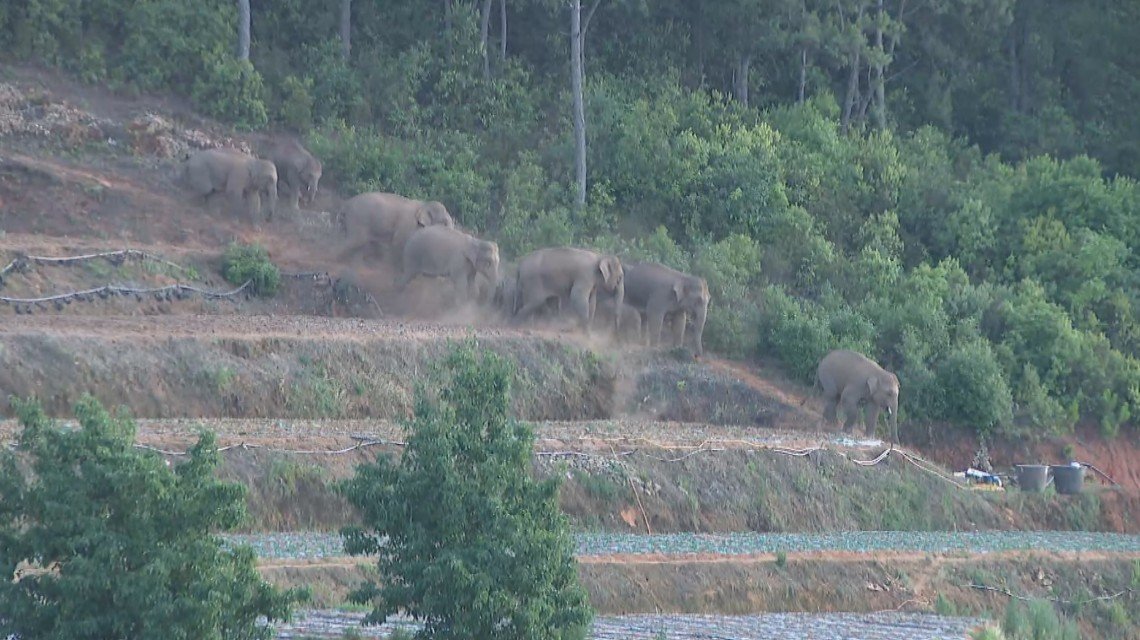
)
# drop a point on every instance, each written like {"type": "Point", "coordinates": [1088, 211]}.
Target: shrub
{"type": "Point", "coordinates": [295, 103]}
{"type": "Point", "coordinates": [974, 388]}
{"type": "Point", "coordinates": [232, 90]}
{"type": "Point", "coordinates": [795, 332]}
{"type": "Point", "coordinates": [250, 263]}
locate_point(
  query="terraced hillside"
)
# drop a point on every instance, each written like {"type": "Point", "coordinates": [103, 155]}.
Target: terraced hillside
{"type": "Point", "coordinates": [673, 466]}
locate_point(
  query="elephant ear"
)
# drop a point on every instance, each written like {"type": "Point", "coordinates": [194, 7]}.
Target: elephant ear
{"type": "Point", "coordinates": [679, 290]}
{"type": "Point", "coordinates": [606, 267]}
{"type": "Point", "coordinates": [471, 252]}
{"type": "Point", "coordinates": [423, 217]}
{"type": "Point", "coordinates": [873, 384]}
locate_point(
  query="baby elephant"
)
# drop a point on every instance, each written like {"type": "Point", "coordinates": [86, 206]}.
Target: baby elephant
{"type": "Point", "coordinates": [446, 252]}
{"type": "Point", "coordinates": [849, 379]}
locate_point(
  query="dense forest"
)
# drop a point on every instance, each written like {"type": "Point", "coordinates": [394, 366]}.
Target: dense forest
{"type": "Point", "coordinates": [946, 185]}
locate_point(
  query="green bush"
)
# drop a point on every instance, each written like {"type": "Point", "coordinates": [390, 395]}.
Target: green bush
{"type": "Point", "coordinates": [795, 332]}
{"type": "Point", "coordinates": [295, 103]}
{"type": "Point", "coordinates": [974, 388]}
{"type": "Point", "coordinates": [232, 89]}
{"type": "Point", "coordinates": [250, 263]}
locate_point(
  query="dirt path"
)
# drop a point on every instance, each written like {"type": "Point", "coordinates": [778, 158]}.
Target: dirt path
{"type": "Point", "coordinates": [239, 326]}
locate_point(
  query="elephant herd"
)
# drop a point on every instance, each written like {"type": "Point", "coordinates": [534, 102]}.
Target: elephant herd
{"type": "Point", "coordinates": [634, 300]}
{"type": "Point", "coordinates": [243, 179]}
{"type": "Point", "coordinates": [418, 238]}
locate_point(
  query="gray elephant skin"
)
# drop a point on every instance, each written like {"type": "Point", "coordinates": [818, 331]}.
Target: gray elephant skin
{"type": "Point", "coordinates": [848, 379]}
{"type": "Point", "coordinates": [298, 172]}
{"type": "Point", "coordinates": [445, 252]}
{"type": "Point", "coordinates": [662, 294]}
{"type": "Point", "coordinates": [386, 220]}
{"type": "Point", "coordinates": [629, 325]}
{"type": "Point", "coordinates": [241, 177]}
{"type": "Point", "coordinates": [570, 274]}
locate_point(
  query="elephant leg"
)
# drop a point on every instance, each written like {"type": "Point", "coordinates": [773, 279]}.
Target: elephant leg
{"type": "Point", "coordinates": [655, 317]}
{"type": "Point", "coordinates": [872, 418]}
{"type": "Point", "coordinates": [830, 404]}
{"type": "Point", "coordinates": [255, 207]}
{"type": "Point", "coordinates": [680, 320]}
{"type": "Point", "coordinates": [849, 400]}
{"type": "Point", "coordinates": [582, 301]}
{"type": "Point", "coordinates": [528, 310]}
{"type": "Point", "coordinates": [404, 278]}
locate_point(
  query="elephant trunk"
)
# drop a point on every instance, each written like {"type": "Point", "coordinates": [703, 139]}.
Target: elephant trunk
{"type": "Point", "coordinates": [699, 329]}
{"type": "Point", "coordinates": [893, 415]}
{"type": "Point", "coordinates": [619, 302]}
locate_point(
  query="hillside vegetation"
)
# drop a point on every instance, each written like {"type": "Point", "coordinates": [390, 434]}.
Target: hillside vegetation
{"type": "Point", "coordinates": [945, 185]}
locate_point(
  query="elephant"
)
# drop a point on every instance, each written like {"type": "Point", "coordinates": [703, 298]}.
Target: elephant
{"type": "Point", "coordinates": [445, 252]}
{"type": "Point", "coordinates": [387, 220]}
{"type": "Point", "coordinates": [572, 274]}
{"type": "Point", "coordinates": [629, 325]}
{"type": "Point", "coordinates": [660, 293]}
{"type": "Point", "coordinates": [240, 176]}
{"type": "Point", "coordinates": [298, 172]}
{"type": "Point", "coordinates": [849, 378]}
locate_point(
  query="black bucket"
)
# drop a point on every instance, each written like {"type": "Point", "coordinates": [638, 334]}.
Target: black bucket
{"type": "Point", "coordinates": [1032, 477]}
{"type": "Point", "coordinates": [1068, 479]}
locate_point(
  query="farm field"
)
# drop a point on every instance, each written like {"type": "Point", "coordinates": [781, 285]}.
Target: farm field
{"type": "Point", "coordinates": [705, 499]}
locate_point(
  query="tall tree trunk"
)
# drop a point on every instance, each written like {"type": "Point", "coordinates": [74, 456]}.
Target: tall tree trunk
{"type": "Point", "coordinates": [586, 31]}
{"type": "Point", "coordinates": [879, 110]}
{"type": "Point", "coordinates": [243, 29]}
{"type": "Point", "coordinates": [447, 8]}
{"type": "Point", "coordinates": [503, 30]}
{"type": "Point", "coordinates": [579, 102]}
{"type": "Point", "coordinates": [485, 34]}
{"type": "Point", "coordinates": [803, 76]}
{"type": "Point", "coordinates": [345, 29]}
{"type": "Point", "coordinates": [852, 98]}
{"type": "Point", "coordinates": [700, 38]}
{"type": "Point", "coordinates": [1014, 72]}
{"type": "Point", "coordinates": [741, 79]}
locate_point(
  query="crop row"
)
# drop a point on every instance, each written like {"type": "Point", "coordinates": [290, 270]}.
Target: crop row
{"type": "Point", "coordinates": [306, 545]}
{"type": "Point", "coordinates": [768, 626]}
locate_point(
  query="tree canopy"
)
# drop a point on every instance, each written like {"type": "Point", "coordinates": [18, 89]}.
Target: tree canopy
{"type": "Point", "coordinates": [468, 542]}
{"type": "Point", "coordinates": [105, 541]}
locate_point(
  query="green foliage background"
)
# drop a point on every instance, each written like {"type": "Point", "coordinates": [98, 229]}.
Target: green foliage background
{"type": "Point", "coordinates": [976, 232]}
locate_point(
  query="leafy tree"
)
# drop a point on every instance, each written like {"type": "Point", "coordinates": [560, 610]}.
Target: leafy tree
{"type": "Point", "coordinates": [105, 541]}
{"type": "Point", "coordinates": [468, 542]}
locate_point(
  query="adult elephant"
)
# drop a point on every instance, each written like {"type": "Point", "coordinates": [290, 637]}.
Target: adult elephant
{"type": "Point", "coordinates": [849, 379]}
{"type": "Point", "coordinates": [445, 252]}
{"type": "Point", "coordinates": [386, 220]}
{"type": "Point", "coordinates": [243, 178]}
{"type": "Point", "coordinates": [571, 274]}
{"type": "Point", "coordinates": [298, 171]}
{"type": "Point", "coordinates": [660, 292]}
